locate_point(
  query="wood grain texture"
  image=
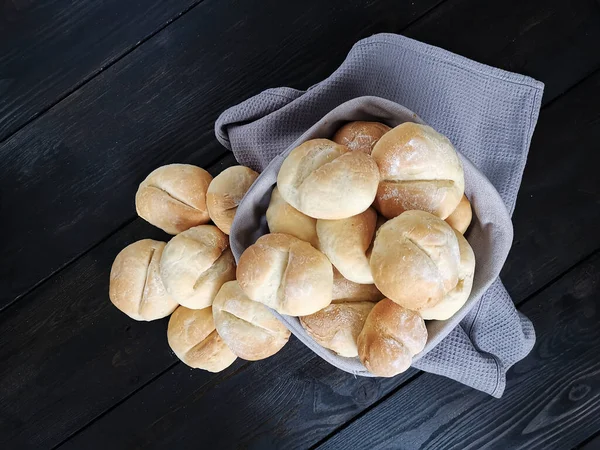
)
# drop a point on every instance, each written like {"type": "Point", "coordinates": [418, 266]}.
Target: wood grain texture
{"type": "Point", "coordinates": [557, 217]}
{"type": "Point", "coordinates": [287, 401]}
{"type": "Point", "coordinates": [277, 427]}
{"type": "Point", "coordinates": [552, 398]}
{"type": "Point", "coordinates": [72, 173]}
{"type": "Point", "coordinates": [551, 40]}
{"type": "Point", "coordinates": [48, 48]}
{"type": "Point", "coordinates": [67, 352]}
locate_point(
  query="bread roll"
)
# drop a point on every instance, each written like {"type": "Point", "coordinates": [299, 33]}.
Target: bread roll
{"type": "Point", "coordinates": [193, 338]}
{"type": "Point", "coordinates": [347, 291]}
{"type": "Point", "coordinates": [225, 193]}
{"type": "Point", "coordinates": [360, 136]}
{"type": "Point", "coordinates": [390, 338]}
{"type": "Point", "coordinates": [135, 284]}
{"type": "Point", "coordinates": [345, 242]}
{"type": "Point", "coordinates": [195, 264]}
{"type": "Point", "coordinates": [337, 326]}
{"type": "Point", "coordinates": [284, 218]}
{"type": "Point", "coordinates": [325, 180]}
{"type": "Point", "coordinates": [460, 219]}
{"type": "Point", "coordinates": [249, 328]}
{"type": "Point", "coordinates": [419, 170]}
{"type": "Point", "coordinates": [286, 274]}
{"type": "Point", "coordinates": [457, 297]}
{"type": "Point", "coordinates": [173, 197]}
{"type": "Point", "coordinates": [415, 259]}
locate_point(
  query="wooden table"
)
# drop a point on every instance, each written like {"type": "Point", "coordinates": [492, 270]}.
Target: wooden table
{"type": "Point", "coordinates": [96, 94]}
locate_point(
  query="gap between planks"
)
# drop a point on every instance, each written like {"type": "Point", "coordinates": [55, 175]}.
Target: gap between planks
{"type": "Point", "coordinates": [94, 74]}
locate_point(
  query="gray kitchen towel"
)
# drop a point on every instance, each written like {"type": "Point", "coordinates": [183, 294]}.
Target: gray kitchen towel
{"type": "Point", "coordinates": [489, 115]}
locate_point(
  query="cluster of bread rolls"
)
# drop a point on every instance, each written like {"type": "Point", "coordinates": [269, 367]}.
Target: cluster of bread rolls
{"type": "Point", "coordinates": [192, 276]}
{"type": "Point", "coordinates": [365, 244]}
{"type": "Point", "coordinates": [366, 241]}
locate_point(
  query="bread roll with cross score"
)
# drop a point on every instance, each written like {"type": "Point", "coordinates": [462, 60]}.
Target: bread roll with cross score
{"type": "Point", "coordinates": [136, 287]}
{"type": "Point", "coordinates": [360, 136]}
{"type": "Point", "coordinates": [194, 339]}
{"type": "Point", "coordinates": [225, 193]}
{"type": "Point", "coordinates": [286, 274]}
{"type": "Point", "coordinates": [325, 180]}
{"type": "Point", "coordinates": [392, 335]}
{"type": "Point", "coordinates": [173, 197]}
{"type": "Point", "coordinates": [415, 259]}
{"type": "Point", "coordinates": [195, 264]}
{"type": "Point", "coordinates": [249, 328]}
{"type": "Point", "coordinates": [420, 170]}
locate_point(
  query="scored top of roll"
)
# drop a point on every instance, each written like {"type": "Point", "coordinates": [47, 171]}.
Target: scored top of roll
{"type": "Point", "coordinates": [286, 274]}
{"type": "Point", "coordinates": [420, 170]}
{"type": "Point", "coordinates": [326, 180]}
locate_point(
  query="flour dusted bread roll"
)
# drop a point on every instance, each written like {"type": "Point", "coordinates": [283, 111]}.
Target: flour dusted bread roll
{"type": "Point", "coordinates": [337, 326]}
{"type": "Point", "coordinates": [326, 180]}
{"type": "Point", "coordinates": [345, 290]}
{"type": "Point", "coordinates": [135, 284]}
{"type": "Point", "coordinates": [420, 169]}
{"type": "Point", "coordinates": [284, 218]}
{"type": "Point", "coordinates": [249, 328]}
{"type": "Point", "coordinates": [360, 136]}
{"type": "Point", "coordinates": [456, 298]}
{"type": "Point", "coordinates": [225, 193]}
{"type": "Point", "coordinates": [286, 274]}
{"type": "Point", "coordinates": [415, 259]}
{"type": "Point", "coordinates": [460, 219]}
{"type": "Point", "coordinates": [193, 338]}
{"type": "Point", "coordinates": [346, 241]}
{"type": "Point", "coordinates": [173, 197]}
{"type": "Point", "coordinates": [195, 264]}
{"type": "Point", "coordinates": [390, 338]}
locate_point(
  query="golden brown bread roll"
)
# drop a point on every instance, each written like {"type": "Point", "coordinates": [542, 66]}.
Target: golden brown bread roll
{"type": "Point", "coordinates": [284, 218]}
{"type": "Point", "coordinates": [415, 259]}
{"type": "Point", "coordinates": [195, 264]}
{"type": "Point", "coordinates": [390, 338]}
{"type": "Point", "coordinates": [460, 219]}
{"type": "Point", "coordinates": [173, 197]}
{"type": "Point", "coordinates": [346, 241]}
{"type": "Point", "coordinates": [420, 169]}
{"type": "Point", "coordinates": [249, 328]}
{"type": "Point", "coordinates": [326, 180]}
{"type": "Point", "coordinates": [225, 193]}
{"type": "Point", "coordinates": [345, 290]}
{"type": "Point", "coordinates": [337, 326]}
{"type": "Point", "coordinates": [135, 284]}
{"type": "Point", "coordinates": [286, 274]}
{"type": "Point", "coordinates": [360, 136]}
{"type": "Point", "coordinates": [193, 338]}
{"type": "Point", "coordinates": [456, 298]}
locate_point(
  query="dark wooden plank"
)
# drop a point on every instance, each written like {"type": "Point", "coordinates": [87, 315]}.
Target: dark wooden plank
{"type": "Point", "coordinates": [66, 352]}
{"type": "Point", "coordinates": [552, 399]}
{"type": "Point", "coordinates": [286, 401]}
{"type": "Point", "coordinates": [560, 193]}
{"type": "Point", "coordinates": [297, 420]}
{"type": "Point", "coordinates": [554, 41]}
{"type": "Point", "coordinates": [593, 443]}
{"type": "Point", "coordinates": [80, 163]}
{"type": "Point", "coordinates": [49, 48]}
{"type": "Point", "coordinates": [277, 426]}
